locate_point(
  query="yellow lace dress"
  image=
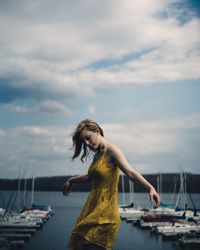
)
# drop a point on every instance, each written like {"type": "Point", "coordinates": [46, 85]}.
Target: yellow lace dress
{"type": "Point", "coordinates": [99, 220]}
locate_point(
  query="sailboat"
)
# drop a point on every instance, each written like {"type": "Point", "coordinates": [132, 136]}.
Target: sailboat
{"type": "Point", "coordinates": [128, 211]}
{"type": "Point", "coordinates": [37, 208]}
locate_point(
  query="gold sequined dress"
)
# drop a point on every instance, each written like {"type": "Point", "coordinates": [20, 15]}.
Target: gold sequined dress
{"type": "Point", "coordinates": [99, 220]}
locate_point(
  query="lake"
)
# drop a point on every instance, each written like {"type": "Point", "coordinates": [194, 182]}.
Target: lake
{"type": "Point", "coordinates": [56, 232]}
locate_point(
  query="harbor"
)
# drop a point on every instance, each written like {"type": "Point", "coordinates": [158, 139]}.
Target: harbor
{"type": "Point", "coordinates": [16, 228]}
{"type": "Point", "coordinates": [28, 226]}
{"type": "Point", "coordinates": [177, 220]}
{"type": "Point", "coordinates": [20, 217]}
{"type": "Point", "coordinates": [181, 230]}
{"type": "Point", "coordinates": [56, 232]}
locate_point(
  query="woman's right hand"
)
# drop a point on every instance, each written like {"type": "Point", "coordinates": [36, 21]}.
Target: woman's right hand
{"type": "Point", "coordinates": [67, 188]}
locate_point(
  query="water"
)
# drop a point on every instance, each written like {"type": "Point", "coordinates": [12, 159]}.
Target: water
{"type": "Point", "coordinates": [56, 232]}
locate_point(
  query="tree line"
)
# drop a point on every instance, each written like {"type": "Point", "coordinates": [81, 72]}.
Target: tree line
{"type": "Point", "coordinates": [169, 183]}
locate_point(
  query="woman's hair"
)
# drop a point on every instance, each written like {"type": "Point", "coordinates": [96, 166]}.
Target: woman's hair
{"type": "Point", "coordinates": [78, 143]}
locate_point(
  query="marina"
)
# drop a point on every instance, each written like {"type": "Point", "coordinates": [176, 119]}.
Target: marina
{"type": "Point", "coordinates": [19, 222]}
{"type": "Point", "coordinates": [16, 228]}
{"type": "Point", "coordinates": [184, 231]}
{"type": "Point", "coordinates": [131, 236]}
{"type": "Point", "coordinates": [173, 221]}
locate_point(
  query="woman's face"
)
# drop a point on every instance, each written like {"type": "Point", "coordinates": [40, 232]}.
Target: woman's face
{"type": "Point", "coordinates": [91, 138]}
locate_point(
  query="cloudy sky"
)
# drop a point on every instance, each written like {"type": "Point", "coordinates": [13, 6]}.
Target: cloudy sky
{"type": "Point", "coordinates": [133, 66]}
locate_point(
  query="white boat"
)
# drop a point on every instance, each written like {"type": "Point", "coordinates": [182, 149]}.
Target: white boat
{"type": "Point", "coordinates": [2, 211]}
{"type": "Point", "coordinates": [154, 224]}
{"type": "Point", "coordinates": [178, 228]}
{"type": "Point", "coordinates": [131, 212]}
{"type": "Point", "coordinates": [189, 242]}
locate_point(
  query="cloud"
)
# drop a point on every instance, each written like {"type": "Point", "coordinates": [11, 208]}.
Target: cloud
{"type": "Point", "coordinates": [50, 107]}
{"type": "Point", "coordinates": [123, 112]}
{"type": "Point", "coordinates": [39, 148]}
{"type": "Point", "coordinates": [53, 107]}
{"type": "Point", "coordinates": [45, 56]}
{"type": "Point", "coordinates": [14, 108]}
{"type": "Point", "coordinates": [154, 136]}
{"type": "Point", "coordinates": [2, 133]}
{"type": "Point", "coordinates": [159, 145]}
{"type": "Point", "coordinates": [85, 47]}
{"type": "Point", "coordinates": [92, 109]}
{"type": "Point", "coordinates": [150, 146]}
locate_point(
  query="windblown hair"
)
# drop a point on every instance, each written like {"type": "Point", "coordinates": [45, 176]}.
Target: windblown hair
{"type": "Point", "coordinates": [78, 143]}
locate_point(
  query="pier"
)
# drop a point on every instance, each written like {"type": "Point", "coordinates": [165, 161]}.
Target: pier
{"type": "Point", "coordinates": [183, 230]}
{"type": "Point", "coordinates": [16, 228]}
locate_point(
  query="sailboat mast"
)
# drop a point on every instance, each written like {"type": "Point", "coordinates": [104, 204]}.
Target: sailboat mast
{"type": "Point", "coordinates": [185, 191]}
{"type": "Point", "coordinates": [24, 200]}
{"type": "Point", "coordinates": [18, 189]}
{"type": "Point", "coordinates": [158, 184]}
{"type": "Point", "coordinates": [32, 194]}
{"type": "Point", "coordinates": [131, 190]}
{"type": "Point", "coordinates": [123, 189]}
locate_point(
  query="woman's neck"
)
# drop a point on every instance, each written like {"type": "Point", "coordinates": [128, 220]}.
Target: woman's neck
{"type": "Point", "coordinates": [102, 147]}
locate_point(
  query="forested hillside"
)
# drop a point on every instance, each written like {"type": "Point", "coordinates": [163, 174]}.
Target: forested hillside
{"type": "Point", "coordinates": [168, 183]}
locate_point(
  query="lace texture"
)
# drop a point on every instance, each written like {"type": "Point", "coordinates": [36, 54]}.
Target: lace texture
{"type": "Point", "coordinates": [99, 220]}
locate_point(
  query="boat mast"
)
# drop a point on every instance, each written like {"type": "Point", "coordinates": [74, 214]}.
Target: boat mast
{"type": "Point", "coordinates": [32, 194]}
{"type": "Point", "coordinates": [131, 190]}
{"type": "Point", "coordinates": [123, 191]}
{"type": "Point", "coordinates": [18, 192]}
{"type": "Point", "coordinates": [185, 191]}
{"type": "Point", "coordinates": [24, 200]}
{"type": "Point", "coordinates": [158, 184]}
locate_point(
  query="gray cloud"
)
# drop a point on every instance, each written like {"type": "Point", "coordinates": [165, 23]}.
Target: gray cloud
{"type": "Point", "coordinates": [150, 146]}
{"type": "Point", "coordinates": [54, 107]}
{"type": "Point", "coordinates": [12, 108]}
{"type": "Point", "coordinates": [50, 107]}
{"type": "Point", "coordinates": [53, 51]}
{"type": "Point", "coordinates": [45, 56]}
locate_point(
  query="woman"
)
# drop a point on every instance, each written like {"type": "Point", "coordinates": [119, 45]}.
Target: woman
{"type": "Point", "coordinates": [98, 223]}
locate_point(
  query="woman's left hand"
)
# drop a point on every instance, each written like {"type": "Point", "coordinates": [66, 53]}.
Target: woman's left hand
{"type": "Point", "coordinates": [153, 195]}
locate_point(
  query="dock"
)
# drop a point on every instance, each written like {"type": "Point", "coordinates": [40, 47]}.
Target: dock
{"type": "Point", "coordinates": [16, 228]}
{"type": "Point", "coordinates": [182, 227]}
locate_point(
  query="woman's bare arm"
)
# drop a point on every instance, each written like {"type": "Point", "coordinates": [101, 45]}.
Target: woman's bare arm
{"type": "Point", "coordinates": [77, 179]}
{"type": "Point", "coordinates": [119, 158]}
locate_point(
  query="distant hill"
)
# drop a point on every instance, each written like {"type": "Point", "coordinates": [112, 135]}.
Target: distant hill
{"type": "Point", "coordinates": [170, 183]}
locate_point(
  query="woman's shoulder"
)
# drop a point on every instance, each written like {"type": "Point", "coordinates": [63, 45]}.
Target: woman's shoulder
{"type": "Point", "coordinates": [113, 151]}
{"type": "Point", "coordinates": [116, 155]}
